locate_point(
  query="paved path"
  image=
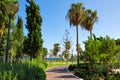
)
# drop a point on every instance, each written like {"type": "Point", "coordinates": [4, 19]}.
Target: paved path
{"type": "Point", "coordinates": [60, 73]}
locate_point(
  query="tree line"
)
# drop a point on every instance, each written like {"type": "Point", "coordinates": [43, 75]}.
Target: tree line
{"type": "Point", "coordinates": [19, 44]}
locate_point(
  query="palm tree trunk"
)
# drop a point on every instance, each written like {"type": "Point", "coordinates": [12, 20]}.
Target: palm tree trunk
{"type": "Point", "coordinates": [90, 33]}
{"type": "Point", "coordinates": [8, 39]}
{"type": "Point", "coordinates": [77, 46]}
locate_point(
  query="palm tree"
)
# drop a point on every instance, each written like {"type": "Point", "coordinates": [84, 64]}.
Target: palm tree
{"type": "Point", "coordinates": [56, 49]}
{"type": "Point", "coordinates": [76, 17]}
{"type": "Point", "coordinates": [90, 19]}
{"type": "Point", "coordinates": [11, 8]}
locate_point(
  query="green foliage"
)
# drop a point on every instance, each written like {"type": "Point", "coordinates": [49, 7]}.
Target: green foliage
{"type": "Point", "coordinates": [16, 40]}
{"type": "Point", "coordinates": [73, 58]}
{"type": "Point", "coordinates": [34, 40]}
{"type": "Point", "coordinates": [90, 18]}
{"type": "Point", "coordinates": [102, 50]}
{"type": "Point", "coordinates": [67, 45]}
{"type": "Point", "coordinates": [19, 37]}
{"type": "Point", "coordinates": [102, 55]}
{"type": "Point", "coordinates": [76, 14]}
{"type": "Point", "coordinates": [56, 49]}
{"type": "Point", "coordinates": [117, 42]}
{"type": "Point", "coordinates": [96, 73]}
{"type": "Point", "coordinates": [108, 51]}
{"type": "Point", "coordinates": [40, 63]}
{"type": "Point", "coordinates": [9, 1]}
{"type": "Point", "coordinates": [44, 53]}
{"type": "Point", "coordinates": [92, 49]}
{"type": "Point", "coordinates": [91, 52]}
{"type": "Point", "coordinates": [65, 54]}
{"type": "Point", "coordinates": [76, 17]}
{"type": "Point", "coordinates": [3, 43]}
{"type": "Point", "coordinates": [23, 71]}
{"type": "Point", "coordinates": [72, 67]}
{"type": "Point", "coordinates": [2, 12]}
{"type": "Point", "coordinates": [25, 46]}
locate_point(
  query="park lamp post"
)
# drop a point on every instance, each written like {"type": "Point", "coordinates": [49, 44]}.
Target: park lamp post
{"type": "Point", "coordinates": [11, 10]}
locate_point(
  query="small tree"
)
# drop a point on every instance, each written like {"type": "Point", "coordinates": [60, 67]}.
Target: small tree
{"type": "Point", "coordinates": [67, 46]}
{"type": "Point", "coordinates": [108, 52]}
{"type": "Point", "coordinates": [91, 51]}
{"type": "Point", "coordinates": [102, 50]}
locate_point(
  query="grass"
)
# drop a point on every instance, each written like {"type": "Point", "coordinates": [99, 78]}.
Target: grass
{"type": "Point", "coordinates": [58, 63]}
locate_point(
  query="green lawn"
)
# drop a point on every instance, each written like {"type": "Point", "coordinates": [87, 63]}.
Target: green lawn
{"type": "Point", "coordinates": [58, 63]}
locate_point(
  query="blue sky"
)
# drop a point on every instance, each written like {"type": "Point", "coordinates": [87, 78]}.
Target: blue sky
{"type": "Point", "coordinates": [53, 13]}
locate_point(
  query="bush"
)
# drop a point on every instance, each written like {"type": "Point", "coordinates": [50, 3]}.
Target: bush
{"type": "Point", "coordinates": [23, 71]}
{"type": "Point", "coordinates": [39, 63]}
{"type": "Point", "coordinates": [96, 73]}
{"type": "Point", "coordinates": [72, 67]}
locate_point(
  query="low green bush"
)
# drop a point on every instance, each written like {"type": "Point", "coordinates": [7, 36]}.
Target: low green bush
{"type": "Point", "coordinates": [72, 67]}
{"type": "Point", "coordinates": [23, 71]}
{"type": "Point", "coordinates": [96, 73]}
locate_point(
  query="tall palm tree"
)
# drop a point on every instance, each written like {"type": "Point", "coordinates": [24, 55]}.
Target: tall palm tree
{"type": "Point", "coordinates": [90, 19]}
{"type": "Point", "coordinates": [10, 8]}
{"type": "Point", "coordinates": [76, 17]}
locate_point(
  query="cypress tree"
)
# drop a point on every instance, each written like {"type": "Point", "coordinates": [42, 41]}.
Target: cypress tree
{"type": "Point", "coordinates": [34, 22]}
{"type": "Point", "coordinates": [19, 37]}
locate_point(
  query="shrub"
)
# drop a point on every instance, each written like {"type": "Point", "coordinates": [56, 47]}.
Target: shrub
{"type": "Point", "coordinates": [96, 73]}
{"type": "Point", "coordinates": [72, 67]}
{"type": "Point", "coordinates": [23, 71]}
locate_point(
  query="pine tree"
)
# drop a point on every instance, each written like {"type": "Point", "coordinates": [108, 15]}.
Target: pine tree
{"type": "Point", "coordinates": [67, 46]}
{"type": "Point", "coordinates": [34, 22]}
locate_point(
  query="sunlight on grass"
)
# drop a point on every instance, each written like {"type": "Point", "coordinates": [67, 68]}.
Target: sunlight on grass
{"type": "Point", "coordinates": [58, 63]}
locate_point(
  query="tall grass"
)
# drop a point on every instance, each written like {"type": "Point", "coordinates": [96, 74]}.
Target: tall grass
{"type": "Point", "coordinates": [25, 70]}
